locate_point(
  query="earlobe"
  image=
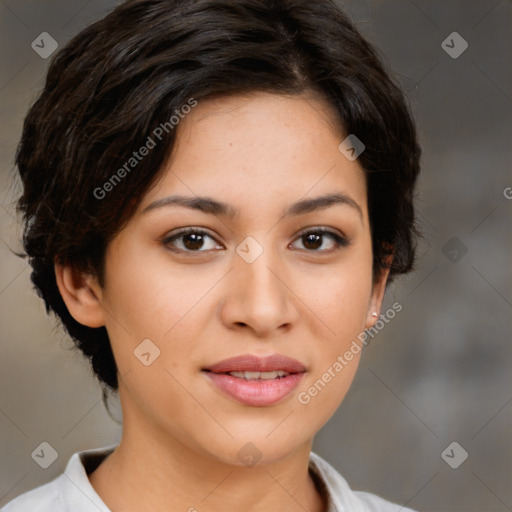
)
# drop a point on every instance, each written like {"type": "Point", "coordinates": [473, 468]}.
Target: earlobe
{"type": "Point", "coordinates": [81, 294]}
{"type": "Point", "coordinates": [379, 288]}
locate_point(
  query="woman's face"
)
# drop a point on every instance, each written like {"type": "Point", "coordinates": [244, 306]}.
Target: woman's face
{"type": "Point", "coordinates": [261, 281]}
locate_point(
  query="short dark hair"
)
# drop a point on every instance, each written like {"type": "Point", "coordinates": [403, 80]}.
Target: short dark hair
{"type": "Point", "coordinates": [124, 75]}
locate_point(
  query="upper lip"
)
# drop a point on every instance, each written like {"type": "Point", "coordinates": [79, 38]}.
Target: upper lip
{"type": "Point", "coordinates": [252, 363]}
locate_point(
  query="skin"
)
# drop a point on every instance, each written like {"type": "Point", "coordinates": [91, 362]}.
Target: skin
{"type": "Point", "coordinates": [259, 153]}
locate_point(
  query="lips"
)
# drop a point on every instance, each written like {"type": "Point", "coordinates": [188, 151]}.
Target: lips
{"type": "Point", "coordinates": [251, 363]}
{"type": "Point", "coordinates": [256, 381]}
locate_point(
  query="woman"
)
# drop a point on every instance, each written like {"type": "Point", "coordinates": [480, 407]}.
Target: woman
{"type": "Point", "coordinates": [216, 195]}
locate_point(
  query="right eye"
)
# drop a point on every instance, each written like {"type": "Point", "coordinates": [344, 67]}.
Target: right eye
{"type": "Point", "coordinates": [190, 240]}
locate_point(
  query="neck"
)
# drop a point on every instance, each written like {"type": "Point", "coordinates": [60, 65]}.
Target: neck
{"type": "Point", "coordinates": [151, 471]}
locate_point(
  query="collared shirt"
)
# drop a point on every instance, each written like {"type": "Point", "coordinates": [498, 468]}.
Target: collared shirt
{"type": "Point", "coordinates": [72, 491]}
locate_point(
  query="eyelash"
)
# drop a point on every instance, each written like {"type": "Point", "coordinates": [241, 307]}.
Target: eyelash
{"type": "Point", "coordinates": [340, 241]}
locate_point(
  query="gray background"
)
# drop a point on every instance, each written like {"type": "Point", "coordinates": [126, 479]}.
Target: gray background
{"type": "Point", "coordinates": [438, 372]}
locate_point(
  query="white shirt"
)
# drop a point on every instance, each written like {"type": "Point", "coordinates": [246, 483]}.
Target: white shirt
{"type": "Point", "coordinates": [72, 492]}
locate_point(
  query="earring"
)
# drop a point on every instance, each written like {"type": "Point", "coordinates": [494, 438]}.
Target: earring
{"type": "Point", "coordinates": [375, 313]}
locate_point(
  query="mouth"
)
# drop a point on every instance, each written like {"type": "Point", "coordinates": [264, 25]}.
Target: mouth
{"type": "Point", "coordinates": [256, 381]}
{"type": "Point", "coordinates": [278, 374]}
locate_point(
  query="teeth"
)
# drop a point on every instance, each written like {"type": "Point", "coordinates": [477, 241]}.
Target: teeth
{"type": "Point", "coordinates": [259, 375]}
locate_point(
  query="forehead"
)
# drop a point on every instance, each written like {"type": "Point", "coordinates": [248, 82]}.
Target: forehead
{"type": "Point", "coordinates": [259, 150]}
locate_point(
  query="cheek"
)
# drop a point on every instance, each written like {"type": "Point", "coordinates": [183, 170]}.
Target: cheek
{"type": "Point", "coordinates": [165, 304]}
{"type": "Point", "coordinates": [152, 296]}
{"type": "Point", "coordinates": [348, 304]}
{"type": "Point", "coordinates": [151, 300]}
{"type": "Point", "coordinates": [326, 387]}
{"type": "Point", "coordinates": [339, 297]}
{"type": "Point", "coordinates": [341, 306]}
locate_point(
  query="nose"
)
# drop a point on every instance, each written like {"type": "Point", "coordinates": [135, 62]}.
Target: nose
{"type": "Point", "coordinates": [259, 297]}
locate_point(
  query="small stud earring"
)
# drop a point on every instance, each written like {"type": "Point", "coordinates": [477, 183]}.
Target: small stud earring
{"type": "Point", "coordinates": [375, 313]}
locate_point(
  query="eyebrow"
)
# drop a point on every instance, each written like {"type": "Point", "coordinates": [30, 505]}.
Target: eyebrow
{"type": "Point", "coordinates": [212, 206]}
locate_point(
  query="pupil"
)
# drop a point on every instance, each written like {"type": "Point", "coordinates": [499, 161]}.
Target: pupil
{"type": "Point", "coordinates": [196, 243]}
{"type": "Point", "coordinates": [314, 239]}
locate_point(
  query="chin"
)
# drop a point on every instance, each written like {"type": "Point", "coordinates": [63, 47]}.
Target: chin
{"type": "Point", "coordinates": [246, 450]}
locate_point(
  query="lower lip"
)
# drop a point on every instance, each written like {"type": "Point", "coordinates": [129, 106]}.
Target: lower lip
{"type": "Point", "coordinates": [255, 392]}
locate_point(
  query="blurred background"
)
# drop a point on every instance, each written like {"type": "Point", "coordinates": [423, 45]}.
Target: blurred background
{"type": "Point", "coordinates": [435, 385]}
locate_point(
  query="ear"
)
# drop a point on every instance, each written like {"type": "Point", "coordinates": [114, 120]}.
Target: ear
{"type": "Point", "coordinates": [379, 287]}
{"type": "Point", "coordinates": [81, 294]}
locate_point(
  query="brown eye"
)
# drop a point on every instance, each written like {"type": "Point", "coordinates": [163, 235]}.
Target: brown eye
{"type": "Point", "coordinates": [190, 240]}
{"type": "Point", "coordinates": [314, 239]}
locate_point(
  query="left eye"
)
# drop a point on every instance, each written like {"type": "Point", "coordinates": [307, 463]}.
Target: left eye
{"type": "Point", "coordinates": [315, 238]}
{"type": "Point", "coordinates": [192, 240]}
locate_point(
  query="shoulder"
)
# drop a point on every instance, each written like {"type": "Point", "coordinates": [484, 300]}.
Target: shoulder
{"type": "Point", "coordinates": [71, 491]}
{"type": "Point", "coordinates": [46, 498]}
{"type": "Point", "coordinates": [341, 497]}
{"type": "Point", "coordinates": [375, 503]}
